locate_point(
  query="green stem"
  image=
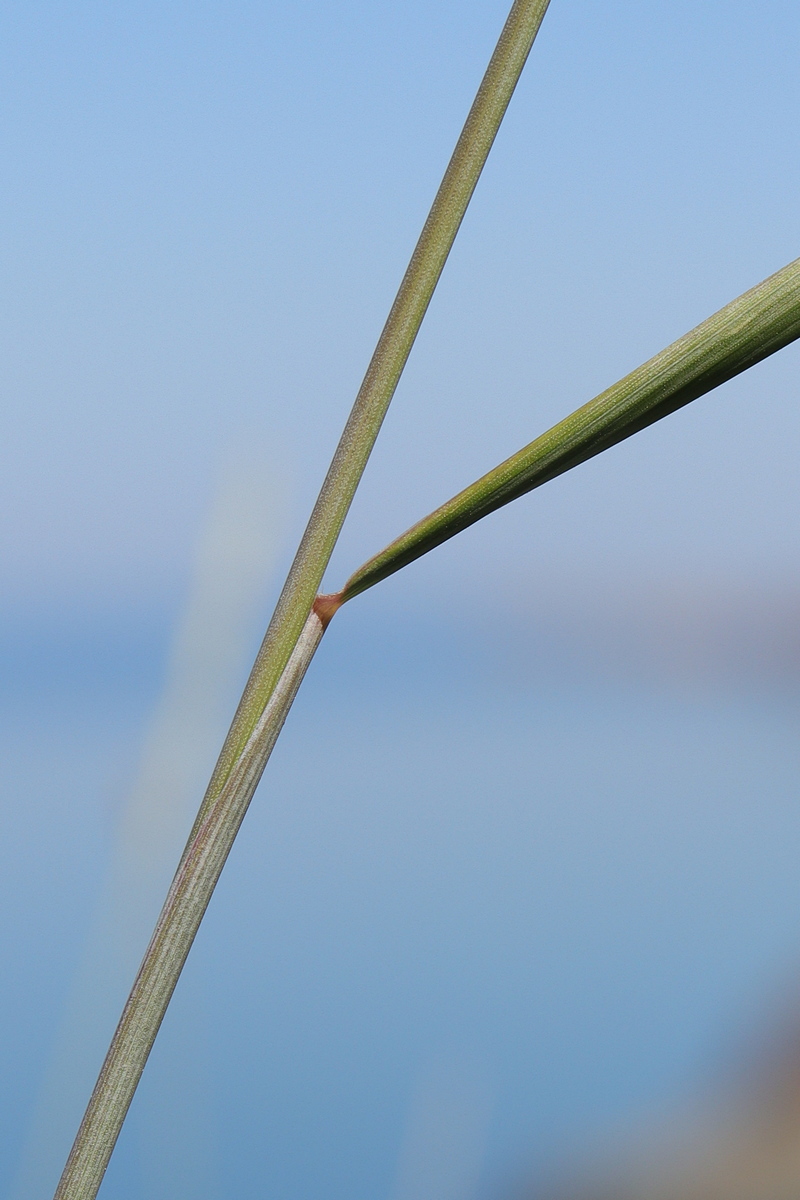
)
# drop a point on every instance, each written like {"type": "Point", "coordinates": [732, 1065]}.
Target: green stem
{"type": "Point", "coordinates": [294, 630]}
{"type": "Point", "coordinates": [385, 368]}
{"type": "Point", "coordinates": [750, 328]}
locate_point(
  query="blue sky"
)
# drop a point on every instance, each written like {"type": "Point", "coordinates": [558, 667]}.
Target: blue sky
{"type": "Point", "coordinates": [551, 892]}
{"type": "Point", "coordinates": [207, 209]}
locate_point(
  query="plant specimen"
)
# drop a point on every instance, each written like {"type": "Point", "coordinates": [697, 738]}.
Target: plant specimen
{"type": "Point", "coordinates": [757, 324]}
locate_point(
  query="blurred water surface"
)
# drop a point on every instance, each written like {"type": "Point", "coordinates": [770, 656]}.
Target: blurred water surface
{"type": "Point", "coordinates": [486, 905]}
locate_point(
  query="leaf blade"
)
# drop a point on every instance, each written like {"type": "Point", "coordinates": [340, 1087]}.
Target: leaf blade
{"type": "Point", "coordinates": [753, 326]}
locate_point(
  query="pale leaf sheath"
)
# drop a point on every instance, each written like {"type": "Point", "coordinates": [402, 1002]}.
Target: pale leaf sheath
{"type": "Point", "coordinates": [750, 328]}
{"type": "Point", "coordinates": [173, 936]}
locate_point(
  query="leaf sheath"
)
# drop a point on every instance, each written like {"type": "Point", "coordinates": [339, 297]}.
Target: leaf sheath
{"type": "Point", "coordinates": [173, 936]}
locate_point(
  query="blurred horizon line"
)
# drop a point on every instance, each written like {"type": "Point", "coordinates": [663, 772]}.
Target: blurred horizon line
{"type": "Point", "coordinates": [710, 632]}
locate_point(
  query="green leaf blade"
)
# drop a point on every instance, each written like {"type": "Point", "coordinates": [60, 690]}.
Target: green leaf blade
{"type": "Point", "coordinates": [755, 325]}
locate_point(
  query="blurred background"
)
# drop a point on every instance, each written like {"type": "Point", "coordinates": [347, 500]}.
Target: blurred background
{"type": "Point", "coordinates": [522, 873]}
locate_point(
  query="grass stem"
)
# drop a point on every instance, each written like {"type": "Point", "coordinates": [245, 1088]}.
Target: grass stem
{"type": "Point", "coordinates": [294, 631]}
